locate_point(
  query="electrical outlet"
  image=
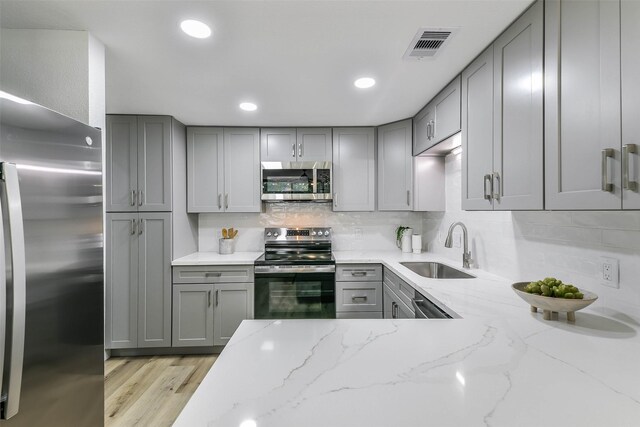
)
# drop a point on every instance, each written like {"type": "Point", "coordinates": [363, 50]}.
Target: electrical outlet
{"type": "Point", "coordinates": [610, 272]}
{"type": "Point", "coordinates": [357, 233]}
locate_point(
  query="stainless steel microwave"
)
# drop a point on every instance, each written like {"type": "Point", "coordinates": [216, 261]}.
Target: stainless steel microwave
{"type": "Point", "coordinates": [301, 181]}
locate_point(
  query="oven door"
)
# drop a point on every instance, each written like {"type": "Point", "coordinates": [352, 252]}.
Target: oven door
{"type": "Point", "coordinates": [295, 295]}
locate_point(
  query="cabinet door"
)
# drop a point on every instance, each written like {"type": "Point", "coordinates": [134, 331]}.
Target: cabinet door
{"type": "Point", "coordinates": [354, 169]}
{"type": "Point", "coordinates": [518, 115]}
{"type": "Point", "coordinates": [205, 169]}
{"type": "Point", "coordinates": [395, 167]}
{"type": "Point", "coordinates": [582, 104]}
{"type": "Point", "coordinates": [477, 132]}
{"type": "Point", "coordinates": [233, 304]}
{"type": "Point", "coordinates": [154, 280]}
{"type": "Point", "coordinates": [192, 315]}
{"type": "Point", "coordinates": [631, 98]}
{"type": "Point", "coordinates": [388, 300]}
{"type": "Point", "coordinates": [121, 279]}
{"type": "Point", "coordinates": [422, 128]}
{"type": "Point", "coordinates": [278, 145]}
{"type": "Point", "coordinates": [122, 165]}
{"type": "Point", "coordinates": [154, 163]}
{"type": "Point", "coordinates": [447, 112]}
{"type": "Point", "coordinates": [242, 170]}
{"type": "Point", "coordinates": [314, 145]}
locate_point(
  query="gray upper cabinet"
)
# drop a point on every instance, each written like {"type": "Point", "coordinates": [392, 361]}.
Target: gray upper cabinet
{"type": "Point", "coordinates": [205, 169]}
{"type": "Point", "coordinates": [314, 144]}
{"type": "Point", "coordinates": [630, 31]}
{"type": "Point", "coordinates": [354, 169]}
{"type": "Point", "coordinates": [278, 144]}
{"type": "Point", "coordinates": [233, 304]}
{"type": "Point", "coordinates": [138, 280]}
{"type": "Point", "coordinates": [477, 132]}
{"type": "Point", "coordinates": [138, 163]}
{"type": "Point", "coordinates": [395, 167]}
{"type": "Point", "coordinates": [439, 119]}
{"type": "Point", "coordinates": [241, 170]}
{"type": "Point", "coordinates": [447, 112]}
{"type": "Point", "coordinates": [291, 144]}
{"type": "Point", "coordinates": [502, 120]}
{"type": "Point", "coordinates": [582, 104]}
{"type": "Point", "coordinates": [223, 169]}
{"type": "Point", "coordinates": [192, 315]}
{"type": "Point", "coordinates": [518, 177]}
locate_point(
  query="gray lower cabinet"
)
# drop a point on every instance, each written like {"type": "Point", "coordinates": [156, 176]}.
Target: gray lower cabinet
{"type": "Point", "coordinates": [138, 280]}
{"type": "Point", "coordinates": [139, 165]}
{"type": "Point", "coordinates": [233, 304]}
{"type": "Point", "coordinates": [502, 120]}
{"type": "Point", "coordinates": [223, 169]}
{"type": "Point", "coordinates": [192, 315]}
{"type": "Point", "coordinates": [397, 297]}
{"type": "Point", "coordinates": [210, 302]}
{"type": "Point", "coordinates": [354, 165]}
{"type": "Point", "coordinates": [359, 291]}
{"type": "Point", "coordinates": [395, 167]}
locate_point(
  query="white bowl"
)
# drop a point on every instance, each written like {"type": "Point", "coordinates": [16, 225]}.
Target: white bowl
{"type": "Point", "coordinates": [550, 305]}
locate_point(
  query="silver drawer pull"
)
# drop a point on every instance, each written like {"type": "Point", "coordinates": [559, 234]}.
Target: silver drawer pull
{"type": "Point", "coordinates": [606, 154]}
{"type": "Point", "coordinates": [627, 183]}
{"type": "Point", "coordinates": [212, 274]}
{"type": "Point", "coordinates": [497, 188]}
{"type": "Point", "coordinates": [488, 180]}
{"type": "Point", "coordinates": [358, 297]}
{"type": "Point", "coordinates": [359, 273]}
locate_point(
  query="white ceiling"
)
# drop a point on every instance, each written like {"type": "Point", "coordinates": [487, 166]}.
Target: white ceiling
{"type": "Point", "coordinates": [296, 59]}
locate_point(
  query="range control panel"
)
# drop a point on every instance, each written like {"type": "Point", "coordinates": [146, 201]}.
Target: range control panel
{"type": "Point", "coordinates": [297, 234]}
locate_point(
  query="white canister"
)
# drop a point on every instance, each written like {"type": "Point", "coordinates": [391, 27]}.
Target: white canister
{"type": "Point", "coordinates": [405, 242]}
{"type": "Point", "coordinates": [416, 243]}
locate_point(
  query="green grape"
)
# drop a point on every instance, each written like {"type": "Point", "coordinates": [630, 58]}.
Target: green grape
{"type": "Point", "coordinates": [568, 295]}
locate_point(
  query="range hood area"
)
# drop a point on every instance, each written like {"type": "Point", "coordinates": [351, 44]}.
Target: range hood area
{"type": "Point", "coordinates": [443, 148]}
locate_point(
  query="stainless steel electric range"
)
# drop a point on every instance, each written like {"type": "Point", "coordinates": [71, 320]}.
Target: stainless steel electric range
{"type": "Point", "coordinates": [295, 277]}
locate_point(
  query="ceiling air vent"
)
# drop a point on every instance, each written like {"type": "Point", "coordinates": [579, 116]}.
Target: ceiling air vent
{"type": "Point", "coordinates": [428, 42]}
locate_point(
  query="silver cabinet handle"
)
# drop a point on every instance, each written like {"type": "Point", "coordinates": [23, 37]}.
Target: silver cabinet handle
{"type": "Point", "coordinates": [429, 131]}
{"type": "Point", "coordinates": [433, 129]}
{"type": "Point", "coordinates": [212, 274]}
{"type": "Point", "coordinates": [487, 179]}
{"type": "Point", "coordinates": [394, 310]}
{"type": "Point", "coordinates": [496, 189]}
{"type": "Point", "coordinates": [359, 273]}
{"type": "Point", "coordinates": [133, 227]}
{"type": "Point", "coordinates": [359, 297]}
{"type": "Point", "coordinates": [140, 229]}
{"type": "Point", "coordinates": [335, 200]}
{"type": "Point", "coordinates": [627, 183]}
{"type": "Point", "coordinates": [9, 174]}
{"type": "Point", "coordinates": [217, 297]}
{"type": "Point", "coordinates": [606, 154]}
{"type": "Point", "coordinates": [140, 197]}
{"type": "Point", "coordinates": [293, 150]}
{"type": "Point", "coordinates": [408, 198]}
{"type": "Point", "coordinates": [226, 200]}
{"type": "Point", "coordinates": [209, 298]}
{"type": "Point", "coordinates": [132, 200]}
{"type": "Point", "coordinates": [299, 150]}
{"type": "Point", "coordinates": [219, 201]}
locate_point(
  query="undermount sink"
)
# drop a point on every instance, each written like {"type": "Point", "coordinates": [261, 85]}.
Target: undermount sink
{"type": "Point", "coordinates": [435, 270]}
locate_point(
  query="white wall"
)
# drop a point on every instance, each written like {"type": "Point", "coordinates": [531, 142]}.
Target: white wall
{"type": "Point", "coordinates": [62, 70]}
{"type": "Point", "coordinates": [351, 230]}
{"type": "Point", "coordinates": [534, 245]}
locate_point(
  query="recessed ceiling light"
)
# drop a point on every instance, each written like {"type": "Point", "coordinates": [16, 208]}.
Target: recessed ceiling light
{"type": "Point", "coordinates": [196, 29]}
{"type": "Point", "coordinates": [248, 106]}
{"type": "Point", "coordinates": [364, 82]}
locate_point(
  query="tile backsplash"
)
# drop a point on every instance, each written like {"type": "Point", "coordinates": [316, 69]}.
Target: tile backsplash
{"type": "Point", "coordinates": [351, 230]}
{"type": "Point", "coordinates": [531, 245]}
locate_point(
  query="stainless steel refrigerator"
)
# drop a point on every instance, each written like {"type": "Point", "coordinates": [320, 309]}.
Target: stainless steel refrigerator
{"type": "Point", "coordinates": [51, 269]}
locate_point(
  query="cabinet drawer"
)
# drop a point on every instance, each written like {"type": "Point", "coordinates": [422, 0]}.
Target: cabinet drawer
{"type": "Point", "coordinates": [359, 273]}
{"type": "Point", "coordinates": [358, 296]}
{"type": "Point", "coordinates": [213, 274]}
{"type": "Point", "coordinates": [359, 315]}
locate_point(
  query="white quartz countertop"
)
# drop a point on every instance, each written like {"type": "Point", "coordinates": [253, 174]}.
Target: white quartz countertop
{"type": "Point", "coordinates": [214, 258]}
{"type": "Point", "coordinates": [497, 365]}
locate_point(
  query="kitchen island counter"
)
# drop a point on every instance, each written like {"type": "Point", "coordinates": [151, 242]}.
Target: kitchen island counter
{"type": "Point", "coordinates": [497, 365]}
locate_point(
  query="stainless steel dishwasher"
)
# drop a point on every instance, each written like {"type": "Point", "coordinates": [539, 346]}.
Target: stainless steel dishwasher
{"type": "Point", "coordinates": [425, 309]}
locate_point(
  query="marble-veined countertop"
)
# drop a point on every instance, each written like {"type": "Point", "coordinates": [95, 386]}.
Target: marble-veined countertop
{"type": "Point", "coordinates": [497, 365]}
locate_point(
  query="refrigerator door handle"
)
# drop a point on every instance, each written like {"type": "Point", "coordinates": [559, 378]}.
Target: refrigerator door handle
{"type": "Point", "coordinates": [18, 268]}
{"type": "Point", "coordinates": [3, 298]}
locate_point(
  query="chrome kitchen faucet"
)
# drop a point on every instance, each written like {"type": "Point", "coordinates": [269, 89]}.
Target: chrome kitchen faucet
{"type": "Point", "coordinates": [466, 255]}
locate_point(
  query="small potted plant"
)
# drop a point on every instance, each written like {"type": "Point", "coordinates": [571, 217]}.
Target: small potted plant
{"type": "Point", "coordinates": [403, 238]}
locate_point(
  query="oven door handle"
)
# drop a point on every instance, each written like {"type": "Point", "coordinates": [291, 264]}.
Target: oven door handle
{"type": "Point", "coordinates": [270, 269]}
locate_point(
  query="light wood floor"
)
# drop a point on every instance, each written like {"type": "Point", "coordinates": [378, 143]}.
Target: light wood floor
{"type": "Point", "coordinates": [150, 391]}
